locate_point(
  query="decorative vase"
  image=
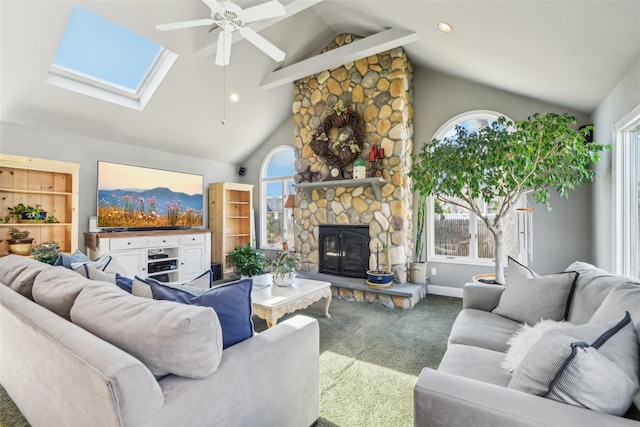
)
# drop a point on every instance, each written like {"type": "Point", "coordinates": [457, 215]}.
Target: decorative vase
{"type": "Point", "coordinates": [25, 218]}
{"type": "Point", "coordinates": [20, 246]}
{"type": "Point", "coordinates": [379, 279]}
{"type": "Point", "coordinates": [284, 279]}
{"type": "Point", "coordinates": [260, 281]}
{"type": "Point", "coordinates": [418, 272]}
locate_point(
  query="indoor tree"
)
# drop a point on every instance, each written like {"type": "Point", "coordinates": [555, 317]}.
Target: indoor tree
{"type": "Point", "coordinates": [502, 162]}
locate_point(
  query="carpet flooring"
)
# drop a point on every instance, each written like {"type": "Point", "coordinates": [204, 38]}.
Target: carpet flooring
{"type": "Point", "coordinates": [370, 358]}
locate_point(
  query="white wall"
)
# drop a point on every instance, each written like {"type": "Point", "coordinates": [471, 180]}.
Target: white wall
{"type": "Point", "coordinates": [623, 98]}
{"type": "Point", "coordinates": [47, 144]}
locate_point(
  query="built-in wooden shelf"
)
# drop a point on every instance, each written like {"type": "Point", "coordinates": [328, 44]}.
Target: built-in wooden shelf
{"type": "Point", "coordinates": [375, 184]}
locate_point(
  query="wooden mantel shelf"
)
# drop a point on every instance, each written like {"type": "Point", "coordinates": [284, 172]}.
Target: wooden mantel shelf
{"type": "Point", "coordinates": [375, 184]}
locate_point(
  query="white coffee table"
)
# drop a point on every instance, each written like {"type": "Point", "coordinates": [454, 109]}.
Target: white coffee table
{"type": "Point", "coordinates": [273, 302]}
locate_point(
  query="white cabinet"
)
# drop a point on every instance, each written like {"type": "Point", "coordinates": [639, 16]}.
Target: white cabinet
{"type": "Point", "coordinates": [168, 256]}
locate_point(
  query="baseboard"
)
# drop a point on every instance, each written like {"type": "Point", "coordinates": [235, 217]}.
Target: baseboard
{"type": "Point", "coordinates": [444, 291]}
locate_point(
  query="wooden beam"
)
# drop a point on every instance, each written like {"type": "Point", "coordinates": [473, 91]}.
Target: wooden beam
{"type": "Point", "coordinates": [209, 43]}
{"type": "Point", "coordinates": [385, 40]}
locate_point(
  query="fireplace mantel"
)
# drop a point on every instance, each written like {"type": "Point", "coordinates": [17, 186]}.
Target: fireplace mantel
{"type": "Point", "coordinates": [375, 183]}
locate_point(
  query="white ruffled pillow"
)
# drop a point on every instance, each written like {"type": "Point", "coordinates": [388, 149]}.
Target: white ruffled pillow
{"type": "Point", "coordinates": [525, 338]}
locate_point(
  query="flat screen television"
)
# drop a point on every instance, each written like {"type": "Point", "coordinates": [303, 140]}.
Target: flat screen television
{"type": "Point", "coordinates": [134, 197]}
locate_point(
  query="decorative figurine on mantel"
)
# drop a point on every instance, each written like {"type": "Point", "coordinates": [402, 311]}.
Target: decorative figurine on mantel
{"type": "Point", "coordinates": [359, 169]}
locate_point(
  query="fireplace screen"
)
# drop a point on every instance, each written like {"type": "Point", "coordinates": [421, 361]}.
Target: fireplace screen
{"type": "Point", "coordinates": [344, 250]}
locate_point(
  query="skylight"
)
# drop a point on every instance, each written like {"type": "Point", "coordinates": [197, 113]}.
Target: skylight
{"type": "Point", "coordinates": [100, 58]}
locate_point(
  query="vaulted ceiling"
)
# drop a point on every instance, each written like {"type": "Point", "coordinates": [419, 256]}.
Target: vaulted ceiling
{"type": "Point", "coordinates": [570, 53]}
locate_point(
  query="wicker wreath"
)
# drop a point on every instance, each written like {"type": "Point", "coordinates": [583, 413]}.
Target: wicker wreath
{"type": "Point", "coordinates": [342, 151]}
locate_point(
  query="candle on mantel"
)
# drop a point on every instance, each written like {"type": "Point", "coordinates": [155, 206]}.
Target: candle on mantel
{"type": "Point", "coordinates": [381, 153]}
{"type": "Point", "coordinates": [372, 156]}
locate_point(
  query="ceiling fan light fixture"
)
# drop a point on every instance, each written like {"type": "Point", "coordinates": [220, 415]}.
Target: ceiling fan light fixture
{"type": "Point", "coordinates": [234, 97]}
{"type": "Point", "coordinates": [444, 27]}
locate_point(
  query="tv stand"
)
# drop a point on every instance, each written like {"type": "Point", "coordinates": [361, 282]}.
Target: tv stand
{"type": "Point", "coordinates": [167, 255]}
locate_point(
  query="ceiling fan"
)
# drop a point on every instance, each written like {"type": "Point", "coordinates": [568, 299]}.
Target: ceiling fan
{"type": "Point", "coordinates": [230, 17]}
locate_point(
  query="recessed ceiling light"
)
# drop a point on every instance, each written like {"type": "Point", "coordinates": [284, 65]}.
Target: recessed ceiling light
{"type": "Point", "coordinates": [444, 27]}
{"type": "Point", "coordinates": [234, 97]}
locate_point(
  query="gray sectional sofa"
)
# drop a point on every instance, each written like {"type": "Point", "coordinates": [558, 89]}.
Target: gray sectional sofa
{"type": "Point", "coordinates": [471, 388]}
{"type": "Point", "coordinates": [59, 373]}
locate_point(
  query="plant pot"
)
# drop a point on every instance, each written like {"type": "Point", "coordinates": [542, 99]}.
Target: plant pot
{"type": "Point", "coordinates": [379, 279]}
{"type": "Point", "coordinates": [260, 281]}
{"type": "Point", "coordinates": [25, 218]}
{"type": "Point", "coordinates": [20, 246]}
{"type": "Point", "coordinates": [418, 272]}
{"type": "Point", "coordinates": [284, 279]}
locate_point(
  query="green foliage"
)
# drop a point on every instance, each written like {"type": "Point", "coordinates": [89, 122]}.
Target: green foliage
{"type": "Point", "coordinates": [18, 234]}
{"type": "Point", "coordinates": [48, 252]}
{"type": "Point", "coordinates": [248, 261]}
{"type": "Point", "coordinates": [503, 161]}
{"type": "Point", "coordinates": [284, 263]}
{"type": "Point", "coordinates": [29, 211]}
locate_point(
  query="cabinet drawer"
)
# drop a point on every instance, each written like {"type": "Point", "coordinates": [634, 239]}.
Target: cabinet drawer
{"type": "Point", "coordinates": [127, 243]}
{"type": "Point", "coordinates": [188, 239]}
{"type": "Point", "coordinates": [161, 241]}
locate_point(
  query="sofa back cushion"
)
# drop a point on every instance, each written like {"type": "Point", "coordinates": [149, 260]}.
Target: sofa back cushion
{"type": "Point", "coordinates": [592, 287]}
{"type": "Point", "coordinates": [168, 337]}
{"type": "Point", "coordinates": [19, 272]}
{"type": "Point", "coordinates": [58, 288]}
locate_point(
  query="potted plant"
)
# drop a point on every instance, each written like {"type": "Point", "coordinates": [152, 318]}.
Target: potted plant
{"type": "Point", "coordinates": [48, 252]}
{"type": "Point", "coordinates": [20, 243]}
{"type": "Point", "coordinates": [283, 268]}
{"type": "Point", "coordinates": [250, 262]}
{"type": "Point", "coordinates": [504, 161]}
{"type": "Point", "coordinates": [25, 213]}
{"type": "Point", "coordinates": [418, 267]}
{"type": "Point", "coordinates": [380, 278]}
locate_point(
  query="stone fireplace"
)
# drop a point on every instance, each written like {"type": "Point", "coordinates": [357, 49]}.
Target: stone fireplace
{"type": "Point", "coordinates": [379, 89]}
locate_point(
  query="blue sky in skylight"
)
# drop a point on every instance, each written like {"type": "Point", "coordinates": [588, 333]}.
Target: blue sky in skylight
{"type": "Point", "coordinates": [103, 50]}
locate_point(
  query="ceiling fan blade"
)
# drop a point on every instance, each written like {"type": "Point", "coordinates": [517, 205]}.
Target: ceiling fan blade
{"type": "Point", "coordinates": [214, 6]}
{"type": "Point", "coordinates": [223, 54]}
{"type": "Point", "coordinates": [267, 10]}
{"type": "Point", "coordinates": [184, 24]}
{"type": "Point", "coordinates": [262, 44]}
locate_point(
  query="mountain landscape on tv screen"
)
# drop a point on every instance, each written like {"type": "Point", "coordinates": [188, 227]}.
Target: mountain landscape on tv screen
{"type": "Point", "coordinates": [157, 207]}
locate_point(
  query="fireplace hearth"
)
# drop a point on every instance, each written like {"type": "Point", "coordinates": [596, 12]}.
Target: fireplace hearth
{"type": "Point", "coordinates": [344, 250]}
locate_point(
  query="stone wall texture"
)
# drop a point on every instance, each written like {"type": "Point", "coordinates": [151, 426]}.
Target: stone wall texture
{"type": "Point", "coordinates": [379, 88]}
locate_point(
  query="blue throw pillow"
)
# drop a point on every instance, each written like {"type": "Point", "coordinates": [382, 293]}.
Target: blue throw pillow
{"type": "Point", "coordinates": [231, 302]}
{"type": "Point", "coordinates": [125, 283]}
{"type": "Point", "coordinates": [66, 260]}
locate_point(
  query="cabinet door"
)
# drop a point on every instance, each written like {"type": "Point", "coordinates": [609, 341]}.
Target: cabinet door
{"type": "Point", "coordinates": [192, 262]}
{"type": "Point", "coordinates": [133, 262]}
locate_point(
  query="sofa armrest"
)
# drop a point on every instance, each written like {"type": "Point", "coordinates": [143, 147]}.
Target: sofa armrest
{"type": "Point", "coordinates": [447, 400]}
{"type": "Point", "coordinates": [481, 296]}
{"type": "Point", "coordinates": [270, 379]}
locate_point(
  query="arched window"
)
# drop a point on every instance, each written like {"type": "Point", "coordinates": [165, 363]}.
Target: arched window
{"type": "Point", "coordinates": [276, 183]}
{"type": "Point", "coordinates": [456, 234]}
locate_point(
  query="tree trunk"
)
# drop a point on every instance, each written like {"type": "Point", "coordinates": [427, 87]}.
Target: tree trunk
{"type": "Point", "coordinates": [498, 238]}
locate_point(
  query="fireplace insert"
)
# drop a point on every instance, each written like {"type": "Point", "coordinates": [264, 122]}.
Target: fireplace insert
{"type": "Point", "coordinates": [344, 250]}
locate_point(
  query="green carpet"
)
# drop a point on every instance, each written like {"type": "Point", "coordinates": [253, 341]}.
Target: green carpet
{"type": "Point", "coordinates": [370, 358]}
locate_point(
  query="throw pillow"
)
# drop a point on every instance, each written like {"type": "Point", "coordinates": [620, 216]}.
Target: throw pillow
{"type": "Point", "coordinates": [514, 268]}
{"type": "Point", "coordinates": [168, 338]}
{"type": "Point", "coordinates": [66, 260]}
{"type": "Point", "coordinates": [231, 301]}
{"type": "Point", "coordinates": [524, 338]}
{"type": "Point", "coordinates": [591, 366]}
{"type": "Point", "coordinates": [124, 283]}
{"type": "Point", "coordinates": [104, 263]}
{"type": "Point", "coordinates": [141, 287]}
{"type": "Point", "coordinates": [531, 300]}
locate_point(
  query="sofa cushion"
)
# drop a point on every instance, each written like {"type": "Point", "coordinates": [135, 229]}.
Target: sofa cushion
{"type": "Point", "coordinates": [169, 338]}
{"type": "Point", "coordinates": [524, 338]}
{"type": "Point", "coordinates": [593, 366]}
{"type": "Point", "coordinates": [482, 329]}
{"type": "Point", "coordinates": [57, 289]}
{"type": "Point", "coordinates": [19, 272]}
{"type": "Point", "coordinates": [123, 282]}
{"type": "Point", "coordinates": [485, 366]}
{"type": "Point", "coordinates": [591, 289]}
{"type": "Point", "coordinates": [531, 300]}
{"type": "Point", "coordinates": [231, 301]}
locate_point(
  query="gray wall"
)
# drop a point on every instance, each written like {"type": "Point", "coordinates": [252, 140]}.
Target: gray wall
{"type": "Point", "coordinates": [623, 98]}
{"type": "Point", "coordinates": [47, 144]}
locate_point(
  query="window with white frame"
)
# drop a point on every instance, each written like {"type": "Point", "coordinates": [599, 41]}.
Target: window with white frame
{"type": "Point", "coordinates": [276, 183]}
{"type": "Point", "coordinates": [626, 166]}
{"type": "Point", "coordinates": [455, 234]}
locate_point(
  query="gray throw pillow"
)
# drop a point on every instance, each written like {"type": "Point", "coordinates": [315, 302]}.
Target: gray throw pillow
{"type": "Point", "coordinates": [168, 337]}
{"type": "Point", "coordinates": [514, 268]}
{"type": "Point", "coordinates": [592, 366]}
{"type": "Point", "coordinates": [530, 300]}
